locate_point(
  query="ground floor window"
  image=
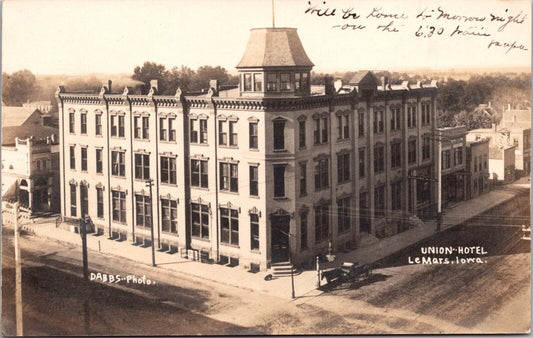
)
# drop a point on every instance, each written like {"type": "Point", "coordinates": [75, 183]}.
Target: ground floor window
{"type": "Point", "coordinates": [229, 223]}
{"type": "Point", "coordinates": [321, 222]}
{"type": "Point", "coordinates": [119, 206]}
{"type": "Point", "coordinates": [343, 214]}
{"type": "Point", "coordinates": [169, 215]}
{"type": "Point", "coordinates": [254, 231]}
{"type": "Point", "coordinates": [200, 220]}
{"type": "Point", "coordinates": [142, 211]}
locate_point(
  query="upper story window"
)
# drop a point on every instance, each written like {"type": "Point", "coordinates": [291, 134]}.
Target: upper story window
{"type": "Point", "coordinates": [378, 121]}
{"type": "Point", "coordinates": [84, 158]}
{"type": "Point", "coordinates": [426, 148]}
{"type": "Point", "coordinates": [279, 134]}
{"type": "Point", "coordinates": [279, 181]}
{"type": "Point", "coordinates": [254, 180]}
{"type": "Point", "coordinates": [83, 123]}
{"type": "Point", "coordinates": [301, 133]}
{"type": "Point", "coordinates": [229, 177]}
{"type": "Point", "coordinates": [446, 159]}
{"type": "Point", "coordinates": [458, 156]}
{"type": "Point", "coordinates": [225, 127]}
{"type": "Point", "coordinates": [411, 151]}
{"type": "Point", "coordinates": [71, 123]}
{"type": "Point", "coordinates": [379, 158]}
{"type": "Point", "coordinates": [253, 135]}
{"type": "Point", "coordinates": [99, 161]}
{"type": "Point", "coordinates": [343, 127]}
{"type": "Point", "coordinates": [118, 163]}
{"type": "Point", "coordinates": [285, 81]}
{"type": "Point", "coordinates": [222, 134]}
{"type": "Point", "coordinates": [142, 166]}
{"type": "Point", "coordinates": [321, 174]}
{"type": "Point", "coordinates": [343, 167]}
{"type": "Point", "coordinates": [411, 117]}
{"type": "Point", "coordinates": [198, 131]}
{"type": "Point", "coordinates": [426, 114]}
{"type": "Point", "coordinates": [141, 126]}
{"type": "Point", "coordinates": [361, 123]}
{"type": "Point", "coordinates": [396, 118]}
{"type": "Point", "coordinates": [272, 82]}
{"type": "Point", "coordinates": [362, 162]}
{"type": "Point", "coordinates": [98, 124]}
{"type": "Point", "coordinates": [168, 170]}
{"type": "Point", "coordinates": [72, 157]}
{"type": "Point", "coordinates": [117, 125]}
{"type": "Point", "coordinates": [247, 82]}
{"type": "Point", "coordinates": [199, 176]}
{"type": "Point", "coordinates": [395, 154]}
{"type": "Point", "coordinates": [258, 82]}
{"type": "Point", "coordinates": [167, 129]}
{"type": "Point", "coordinates": [321, 129]}
{"type": "Point", "coordinates": [301, 82]}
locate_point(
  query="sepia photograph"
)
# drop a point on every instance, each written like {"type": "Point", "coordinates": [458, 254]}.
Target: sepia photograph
{"type": "Point", "coordinates": [265, 167]}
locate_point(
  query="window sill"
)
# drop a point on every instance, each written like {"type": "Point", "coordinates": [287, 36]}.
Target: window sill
{"type": "Point", "coordinates": [283, 198]}
{"type": "Point", "coordinates": [341, 140]}
{"type": "Point", "coordinates": [99, 135]}
{"type": "Point", "coordinates": [120, 177]}
{"type": "Point", "coordinates": [194, 144]}
{"type": "Point", "coordinates": [321, 189]}
{"type": "Point", "coordinates": [230, 245]}
{"type": "Point", "coordinates": [199, 188]}
{"type": "Point", "coordinates": [253, 196]}
{"type": "Point", "coordinates": [280, 151]}
{"type": "Point", "coordinates": [119, 223]}
{"type": "Point", "coordinates": [118, 137]}
{"type": "Point", "coordinates": [137, 139]}
{"type": "Point", "coordinates": [229, 192]}
{"type": "Point", "coordinates": [169, 184]}
{"type": "Point", "coordinates": [228, 147]}
{"type": "Point", "coordinates": [254, 149]}
{"type": "Point", "coordinates": [320, 144]}
{"type": "Point", "coordinates": [255, 251]}
{"type": "Point", "coordinates": [202, 239]}
{"type": "Point", "coordinates": [344, 182]}
{"type": "Point", "coordinates": [303, 194]}
{"type": "Point", "coordinates": [170, 233]}
{"type": "Point", "coordinates": [302, 148]}
{"type": "Point", "coordinates": [141, 180]}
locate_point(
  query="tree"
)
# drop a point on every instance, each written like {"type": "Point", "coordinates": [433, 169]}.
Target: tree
{"type": "Point", "coordinates": [182, 77]}
{"type": "Point", "coordinates": [18, 87]}
{"type": "Point", "coordinates": [206, 73]}
{"type": "Point", "coordinates": [151, 71]}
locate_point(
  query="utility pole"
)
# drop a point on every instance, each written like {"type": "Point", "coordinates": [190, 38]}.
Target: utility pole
{"type": "Point", "coordinates": [292, 269]}
{"type": "Point", "coordinates": [150, 184]}
{"type": "Point", "coordinates": [439, 184]}
{"type": "Point", "coordinates": [273, 19]}
{"type": "Point", "coordinates": [18, 274]}
{"type": "Point", "coordinates": [83, 234]}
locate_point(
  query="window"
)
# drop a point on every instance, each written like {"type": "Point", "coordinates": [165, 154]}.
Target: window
{"type": "Point", "coordinates": [71, 123]}
{"type": "Point", "coordinates": [411, 151]}
{"type": "Point", "coordinates": [279, 181]}
{"type": "Point", "coordinates": [321, 222]}
{"type": "Point", "coordinates": [199, 176]}
{"type": "Point", "coordinates": [446, 160]}
{"type": "Point", "coordinates": [258, 82]}
{"type": "Point", "coordinates": [142, 211]}
{"type": "Point", "coordinates": [361, 124]}
{"type": "Point", "coordinates": [172, 130]}
{"type": "Point", "coordinates": [83, 123]}
{"type": "Point", "coordinates": [254, 231]}
{"type": "Point", "coordinates": [168, 170]}
{"type": "Point", "coordinates": [146, 128]}
{"type": "Point", "coordinates": [197, 135]}
{"type": "Point", "coordinates": [303, 179]}
{"type": "Point", "coordinates": [200, 220]}
{"type": "Point", "coordinates": [84, 159]}
{"type": "Point", "coordinates": [114, 127]}
{"type": "Point", "coordinates": [254, 180]}
{"type": "Point", "coordinates": [279, 135]}
{"type": "Point", "coordinates": [73, 203]}
{"type": "Point", "coordinates": [121, 126]}
{"type": "Point", "coordinates": [305, 82]}
{"type": "Point", "coordinates": [379, 200]}
{"type": "Point", "coordinates": [343, 168]}
{"type": "Point", "coordinates": [480, 163]}
{"type": "Point", "coordinates": [229, 223]}
{"type": "Point", "coordinates": [322, 174]}
{"type": "Point", "coordinates": [84, 197]}
{"type": "Point", "coordinates": [194, 131]}
{"type": "Point", "coordinates": [253, 135]}
{"type": "Point", "coordinates": [142, 166]}
{"type": "Point", "coordinates": [162, 129]}
{"type": "Point", "coordinates": [137, 127]}
{"type": "Point", "coordinates": [169, 216]}
{"type": "Point", "coordinates": [324, 129]}
{"type": "Point", "coordinates": [119, 206]}
{"type": "Point", "coordinates": [316, 133]}
{"type": "Point", "coordinates": [361, 162]}
{"type": "Point", "coordinates": [72, 157]}
{"type": "Point", "coordinates": [98, 124]}
{"type": "Point", "coordinates": [485, 161]}
{"type": "Point", "coordinates": [458, 158]}
{"type": "Point", "coordinates": [297, 82]}
{"type": "Point", "coordinates": [378, 121]}
{"type": "Point", "coordinates": [303, 230]}
{"type": "Point", "coordinates": [285, 82]}
{"type": "Point", "coordinates": [411, 117]}
{"type": "Point", "coordinates": [118, 163]}
{"type": "Point", "coordinates": [364, 219]}
{"type": "Point", "coordinates": [99, 202]}
{"type": "Point", "coordinates": [247, 82]}
{"type": "Point", "coordinates": [395, 154]}
{"type": "Point", "coordinates": [229, 179]}
{"type": "Point", "coordinates": [426, 148]}
{"type": "Point", "coordinates": [233, 141]}
{"type": "Point", "coordinates": [272, 82]}
{"type": "Point", "coordinates": [343, 127]}
{"type": "Point", "coordinates": [396, 195]}
{"type": "Point", "coordinates": [301, 134]}
{"type": "Point", "coordinates": [222, 135]}
{"type": "Point", "coordinates": [396, 119]}
{"type": "Point", "coordinates": [379, 159]}
{"type": "Point", "coordinates": [99, 161]}
{"type": "Point", "coordinates": [426, 114]}
{"type": "Point", "coordinates": [475, 164]}
{"type": "Point", "coordinates": [343, 217]}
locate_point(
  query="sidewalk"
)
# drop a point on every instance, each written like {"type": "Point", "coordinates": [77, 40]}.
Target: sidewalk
{"type": "Point", "coordinates": [306, 282]}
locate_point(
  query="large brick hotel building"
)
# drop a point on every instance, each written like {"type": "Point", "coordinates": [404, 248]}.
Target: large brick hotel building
{"type": "Point", "coordinates": [249, 173]}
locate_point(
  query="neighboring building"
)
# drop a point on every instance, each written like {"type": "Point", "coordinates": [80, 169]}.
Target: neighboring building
{"type": "Point", "coordinates": [30, 160]}
{"type": "Point", "coordinates": [517, 123]}
{"type": "Point", "coordinates": [247, 174]}
{"type": "Point", "coordinates": [477, 164]}
{"type": "Point", "coordinates": [453, 161]}
{"type": "Point", "coordinates": [43, 106]}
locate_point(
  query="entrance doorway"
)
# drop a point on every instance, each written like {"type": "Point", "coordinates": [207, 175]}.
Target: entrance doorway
{"type": "Point", "coordinates": [280, 238]}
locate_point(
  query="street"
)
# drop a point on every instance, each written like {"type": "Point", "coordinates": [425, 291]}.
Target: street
{"type": "Point", "coordinates": [488, 297]}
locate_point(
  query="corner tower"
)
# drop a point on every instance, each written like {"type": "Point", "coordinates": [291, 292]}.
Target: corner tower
{"type": "Point", "coordinates": [274, 64]}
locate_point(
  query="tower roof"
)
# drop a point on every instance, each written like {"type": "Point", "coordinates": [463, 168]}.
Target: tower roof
{"type": "Point", "coordinates": [274, 47]}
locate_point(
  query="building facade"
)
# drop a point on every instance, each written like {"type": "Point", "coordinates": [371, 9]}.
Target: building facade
{"type": "Point", "coordinates": [263, 173]}
{"type": "Point", "coordinates": [453, 163]}
{"type": "Point", "coordinates": [477, 165]}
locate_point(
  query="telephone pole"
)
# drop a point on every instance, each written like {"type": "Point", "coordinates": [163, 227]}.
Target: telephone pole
{"type": "Point", "coordinates": [150, 184]}
{"type": "Point", "coordinates": [18, 274]}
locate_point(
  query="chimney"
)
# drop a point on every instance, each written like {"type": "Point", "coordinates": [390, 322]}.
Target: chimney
{"type": "Point", "coordinates": [384, 82]}
{"type": "Point", "coordinates": [329, 85]}
{"type": "Point", "coordinates": [509, 106]}
{"type": "Point", "coordinates": [109, 82]}
{"type": "Point", "coordinates": [494, 127]}
{"type": "Point", "coordinates": [213, 84]}
{"type": "Point", "coordinates": [338, 85]}
{"type": "Point", "coordinates": [154, 84]}
{"type": "Point", "coordinates": [489, 104]}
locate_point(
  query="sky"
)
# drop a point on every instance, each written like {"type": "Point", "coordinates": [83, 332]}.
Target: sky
{"type": "Point", "coordinates": [82, 37]}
